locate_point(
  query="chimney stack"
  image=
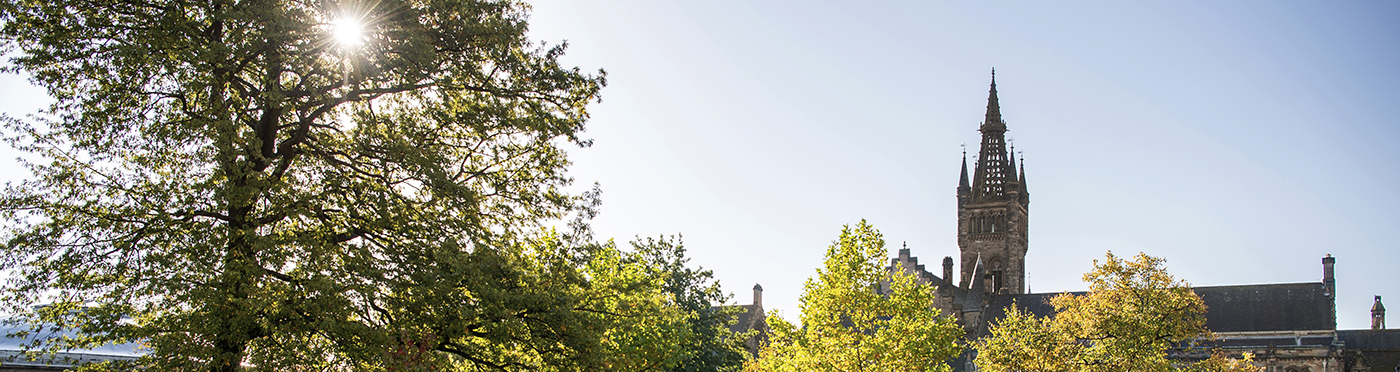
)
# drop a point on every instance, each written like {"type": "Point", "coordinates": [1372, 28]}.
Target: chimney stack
{"type": "Point", "coordinates": [1378, 314]}
{"type": "Point", "coordinates": [758, 295]}
{"type": "Point", "coordinates": [948, 269]}
{"type": "Point", "coordinates": [1329, 281]}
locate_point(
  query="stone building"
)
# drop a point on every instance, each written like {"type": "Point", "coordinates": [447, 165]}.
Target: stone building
{"type": "Point", "coordinates": [1289, 327]}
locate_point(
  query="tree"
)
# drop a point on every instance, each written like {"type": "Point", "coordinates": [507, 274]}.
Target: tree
{"type": "Point", "coordinates": [255, 193]}
{"type": "Point", "coordinates": [850, 324]}
{"type": "Point", "coordinates": [1133, 315]}
{"type": "Point", "coordinates": [711, 346]}
{"type": "Point", "coordinates": [648, 331]}
{"type": "Point", "coordinates": [667, 319]}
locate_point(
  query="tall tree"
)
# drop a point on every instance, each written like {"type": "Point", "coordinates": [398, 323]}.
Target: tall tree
{"type": "Point", "coordinates": [1133, 315]}
{"type": "Point", "coordinates": [711, 345]}
{"type": "Point", "coordinates": [646, 330]}
{"type": "Point", "coordinates": [851, 323]}
{"type": "Point", "coordinates": [324, 184]}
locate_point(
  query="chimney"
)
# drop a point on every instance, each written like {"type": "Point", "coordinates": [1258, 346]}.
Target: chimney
{"type": "Point", "coordinates": [948, 269]}
{"type": "Point", "coordinates": [1328, 280]}
{"type": "Point", "coordinates": [758, 295]}
{"type": "Point", "coordinates": [1378, 314]}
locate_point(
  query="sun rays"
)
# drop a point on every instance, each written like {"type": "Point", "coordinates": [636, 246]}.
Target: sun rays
{"type": "Point", "coordinates": [348, 31]}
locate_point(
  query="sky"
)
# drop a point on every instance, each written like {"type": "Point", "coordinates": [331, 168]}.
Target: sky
{"type": "Point", "coordinates": [1242, 141]}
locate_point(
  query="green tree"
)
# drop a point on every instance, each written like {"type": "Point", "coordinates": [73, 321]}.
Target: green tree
{"type": "Point", "coordinates": [711, 345]}
{"type": "Point", "coordinates": [1133, 315]}
{"type": "Point", "coordinates": [662, 311]}
{"type": "Point", "coordinates": [255, 193]}
{"type": "Point", "coordinates": [647, 330]}
{"type": "Point", "coordinates": [851, 322]}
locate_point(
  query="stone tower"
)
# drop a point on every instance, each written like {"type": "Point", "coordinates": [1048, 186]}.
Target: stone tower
{"type": "Point", "coordinates": [992, 210]}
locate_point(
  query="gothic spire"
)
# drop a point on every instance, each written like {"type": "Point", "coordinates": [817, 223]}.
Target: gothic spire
{"type": "Point", "coordinates": [993, 119]}
{"type": "Point", "coordinates": [1023, 175]}
{"type": "Point", "coordinates": [1011, 165]}
{"type": "Point", "coordinates": [994, 168]}
{"type": "Point", "coordinates": [963, 186]}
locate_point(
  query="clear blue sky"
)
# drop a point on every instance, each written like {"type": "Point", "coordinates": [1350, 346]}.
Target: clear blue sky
{"type": "Point", "coordinates": [1242, 141]}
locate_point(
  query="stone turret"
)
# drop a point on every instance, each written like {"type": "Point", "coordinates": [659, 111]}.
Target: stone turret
{"type": "Point", "coordinates": [1378, 314]}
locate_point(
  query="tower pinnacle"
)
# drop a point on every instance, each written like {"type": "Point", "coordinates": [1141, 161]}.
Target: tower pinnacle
{"type": "Point", "coordinates": [993, 119]}
{"type": "Point", "coordinates": [1023, 176]}
{"type": "Point", "coordinates": [963, 186]}
{"type": "Point", "coordinates": [1011, 166]}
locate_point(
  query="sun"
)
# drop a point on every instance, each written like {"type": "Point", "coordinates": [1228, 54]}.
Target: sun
{"type": "Point", "coordinates": [348, 31]}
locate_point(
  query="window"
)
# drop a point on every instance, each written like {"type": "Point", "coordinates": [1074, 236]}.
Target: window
{"type": "Point", "coordinates": [996, 281]}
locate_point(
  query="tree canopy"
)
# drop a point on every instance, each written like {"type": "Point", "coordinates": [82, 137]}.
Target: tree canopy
{"type": "Point", "coordinates": [236, 188]}
{"type": "Point", "coordinates": [709, 345]}
{"type": "Point", "coordinates": [1133, 315]}
{"type": "Point", "coordinates": [852, 322]}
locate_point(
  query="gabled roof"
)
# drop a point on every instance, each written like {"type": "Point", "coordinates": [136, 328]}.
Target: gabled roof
{"type": "Point", "coordinates": [1235, 308]}
{"type": "Point", "coordinates": [1268, 307]}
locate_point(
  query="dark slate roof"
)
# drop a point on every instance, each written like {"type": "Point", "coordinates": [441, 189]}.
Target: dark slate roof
{"type": "Point", "coordinates": [1268, 307]}
{"type": "Point", "coordinates": [742, 319]}
{"type": "Point", "coordinates": [1033, 303]}
{"type": "Point", "coordinates": [1236, 308]}
{"type": "Point", "coordinates": [1371, 339]}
